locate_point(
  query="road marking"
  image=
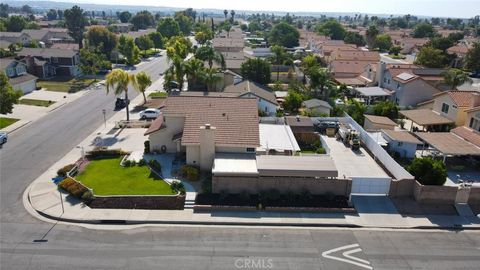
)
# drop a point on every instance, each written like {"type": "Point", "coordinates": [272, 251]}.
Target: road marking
{"type": "Point", "coordinates": [348, 258]}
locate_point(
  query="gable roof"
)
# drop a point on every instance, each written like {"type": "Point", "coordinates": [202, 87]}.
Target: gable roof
{"type": "Point", "coordinates": [47, 52]}
{"type": "Point", "coordinates": [356, 55]}
{"type": "Point", "coordinates": [256, 89]}
{"type": "Point", "coordinates": [36, 34]}
{"type": "Point", "coordinates": [467, 134]}
{"type": "Point", "coordinates": [11, 34]}
{"type": "Point", "coordinates": [299, 121]}
{"type": "Point", "coordinates": [235, 119]}
{"type": "Point", "coordinates": [460, 98]}
{"type": "Point", "coordinates": [313, 103]}
{"type": "Point", "coordinates": [401, 136]}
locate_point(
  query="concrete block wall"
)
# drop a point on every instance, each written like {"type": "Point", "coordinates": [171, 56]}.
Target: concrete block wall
{"type": "Point", "coordinates": [253, 185]}
{"type": "Point", "coordinates": [474, 197]}
{"type": "Point", "coordinates": [434, 194]}
{"type": "Point", "coordinates": [401, 188]}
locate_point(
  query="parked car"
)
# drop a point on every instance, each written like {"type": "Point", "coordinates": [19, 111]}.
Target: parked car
{"type": "Point", "coordinates": [149, 114]}
{"type": "Point", "coordinates": [120, 103]}
{"type": "Point", "coordinates": [3, 137]}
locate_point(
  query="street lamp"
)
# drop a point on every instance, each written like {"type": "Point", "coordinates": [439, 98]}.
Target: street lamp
{"type": "Point", "coordinates": [82, 152]}
{"type": "Point", "coordinates": [104, 117]}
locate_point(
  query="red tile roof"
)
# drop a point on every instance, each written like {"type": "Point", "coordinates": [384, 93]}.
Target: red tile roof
{"type": "Point", "coordinates": [467, 134]}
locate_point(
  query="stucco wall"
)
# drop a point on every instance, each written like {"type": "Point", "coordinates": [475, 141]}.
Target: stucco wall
{"type": "Point", "coordinates": [415, 92]}
{"type": "Point", "coordinates": [405, 150]}
{"type": "Point", "coordinates": [401, 188]}
{"type": "Point", "coordinates": [173, 125]}
{"type": "Point", "coordinates": [193, 154]}
{"type": "Point", "coordinates": [235, 184]}
{"type": "Point", "coordinates": [474, 197]}
{"type": "Point", "coordinates": [434, 194]}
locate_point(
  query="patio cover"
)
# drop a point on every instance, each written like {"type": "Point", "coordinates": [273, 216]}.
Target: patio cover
{"type": "Point", "coordinates": [372, 91]}
{"type": "Point", "coordinates": [425, 117]}
{"type": "Point", "coordinates": [296, 166]}
{"type": "Point", "coordinates": [449, 144]}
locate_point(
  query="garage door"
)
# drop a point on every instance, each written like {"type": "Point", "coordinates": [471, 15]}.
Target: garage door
{"type": "Point", "coordinates": [370, 185]}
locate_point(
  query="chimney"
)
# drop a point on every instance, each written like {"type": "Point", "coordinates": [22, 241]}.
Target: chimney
{"type": "Point", "coordinates": [207, 147]}
{"type": "Point", "coordinates": [475, 101]}
{"type": "Point", "coordinates": [382, 66]}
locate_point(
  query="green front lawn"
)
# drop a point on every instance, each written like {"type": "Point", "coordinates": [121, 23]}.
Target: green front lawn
{"type": "Point", "coordinates": [36, 102]}
{"type": "Point", "coordinates": [65, 84]}
{"type": "Point", "coordinates": [158, 94]}
{"type": "Point", "coordinates": [5, 122]}
{"type": "Point", "coordinates": [399, 56]}
{"type": "Point", "coordinates": [107, 177]}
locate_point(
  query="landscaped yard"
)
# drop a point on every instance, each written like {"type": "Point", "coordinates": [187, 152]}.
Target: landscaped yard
{"type": "Point", "coordinates": [107, 177]}
{"type": "Point", "coordinates": [158, 94]}
{"type": "Point", "coordinates": [399, 56]}
{"type": "Point", "coordinates": [36, 102]}
{"type": "Point", "coordinates": [5, 122]}
{"type": "Point", "coordinates": [65, 84]}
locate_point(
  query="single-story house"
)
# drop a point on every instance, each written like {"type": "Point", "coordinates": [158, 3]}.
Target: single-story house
{"type": "Point", "coordinates": [401, 142]}
{"type": "Point", "coordinates": [317, 106]}
{"type": "Point", "coordinates": [201, 126]}
{"type": "Point", "coordinates": [374, 122]}
{"type": "Point", "coordinates": [265, 98]}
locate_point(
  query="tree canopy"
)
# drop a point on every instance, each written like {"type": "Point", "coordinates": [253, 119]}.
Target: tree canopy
{"type": "Point", "coordinates": [283, 34]}
{"type": "Point", "coordinates": [100, 39]}
{"type": "Point", "coordinates": [8, 96]}
{"type": "Point", "coordinates": [422, 30]}
{"type": "Point", "coordinates": [75, 22]}
{"type": "Point", "coordinates": [124, 16]}
{"type": "Point", "coordinates": [430, 57]}
{"type": "Point", "coordinates": [142, 20]}
{"type": "Point", "coordinates": [127, 47]}
{"type": "Point", "coordinates": [472, 60]}
{"type": "Point", "coordinates": [354, 38]}
{"type": "Point", "coordinates": [428, 171]}
{"type": "Point", "coordinates": [257, 70]}
{"type": "Point", "coordinates": [332, 28]}
{"type": "Point", "coordinates": [168, 27]}
{"type": "Point", "coordinates": [383, 42]}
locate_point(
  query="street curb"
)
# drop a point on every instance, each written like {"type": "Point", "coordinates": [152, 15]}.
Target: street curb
{"type": "Point", "coordinates": [61, 105]}
{"type": "Point", "coordinates": [19, 127]}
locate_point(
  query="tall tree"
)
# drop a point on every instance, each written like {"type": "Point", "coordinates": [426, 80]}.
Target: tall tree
{"type": "Point", "coordinates": [127, 47]}
{"type": "Point", "coordinates": [101, 39]}
{"type": "Point", "coordinates": [124, 16]}
{"type": "Point", "coordinates": [225, 12]}
{"type": "Point", "coordinates": [168, 27]}
{"type": "Point", "coordinates": [332, 28]}
{"type": "Point", "coordinates": [177, 50]}
{"type": "Point", "coordinates": [455, 77]}
{"type": "Point", "coordinates": [383, 42]}
{"type": "Point", "coordinates": [185, 23]}
{"type": "Point", "coordinates": [283, 34]}
{"type": "Point", "coordinates": [257, 70]}
{"type": "Point", "coordinates": [144, 43]}
{"type": "Point", "coordinates": [52, 14]}
{"type": "Point", "coordinates": [118, 80]}
{"type": "Point", "coordinates": [430, 57]}
{"type": "Point", "coordinates": [354, 38]}
{"type": "Point", "coordinates": [157, 39]}
{"type": "Point", "coordinates": [211, 76]}
{"type": "Point", "coordinates": [142, 20]}
{"type": "Point", "coordinates": [8, 96]}
{"type": "Point", "coordinates": [472, 60]}
{"type": "Point", "coordinates": [371, 34]}
{"type": "Point", "coordinates": [143, 82]}
{"type": "Point", "coordinates": [75, 22]}
{"type": "Point", "coordinates": [194, 70]}
{"type": "Point", "coordinates": [422, 30]}
{"type": "Point", "coordinates": [15, 23]}
{"type": "Point", "coordinates": [320, 78]}
{"type": "Point", "coordinates": [232, 13]}
{"type": "Point", "coordinates": [278, 58]}
{"type": "Point", "coordinates": [209, 54]}
{"type": "Point", "coordinates": [92, 61]}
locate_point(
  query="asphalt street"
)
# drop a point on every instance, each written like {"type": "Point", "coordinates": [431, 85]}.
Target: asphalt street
{"type": "Point", "coordinates": [27, 243]}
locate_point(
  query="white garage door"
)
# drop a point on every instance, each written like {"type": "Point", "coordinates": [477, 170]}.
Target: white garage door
{"type": "Point", "coordinates": [370, 185]}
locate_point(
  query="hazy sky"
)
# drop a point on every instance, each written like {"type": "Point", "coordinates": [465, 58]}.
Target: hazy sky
{"type": "Point", "coordinates": [440, 8]}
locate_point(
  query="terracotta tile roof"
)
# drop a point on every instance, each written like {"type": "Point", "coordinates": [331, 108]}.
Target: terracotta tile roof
{"type": "Point", "coordinates": [461, 49]}
{"type": "Point", "coordinates": [468, 134]}
{"type": "Point", "coordinates": [352, 55]}
{"type": "Point", "coordinates": [235, 119]}
{"type": "Point", "coordinates": [356, 67]}
{"type": "Point", "coordinates": [401, 136]}
{"type": "Point", "coordinates": [461, 98]}
{"type": "Point", "coordinates": [156, 125]}
{"type": "Point", "coordinates": [380, 120]}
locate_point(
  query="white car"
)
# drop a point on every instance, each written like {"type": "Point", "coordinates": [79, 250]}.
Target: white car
{"type": "Point", "coordinates": [3, 137]}
{"type": "Point", "coordinates": [149, 114]}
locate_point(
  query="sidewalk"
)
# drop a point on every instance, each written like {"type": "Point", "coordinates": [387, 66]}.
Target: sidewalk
{"type": "Point", "coordinates": [44, 198]}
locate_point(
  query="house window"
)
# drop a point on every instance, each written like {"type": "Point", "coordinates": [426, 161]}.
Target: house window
{"type": "Point", "coordinates": [250, 149]}
{"type": "Point", "coordinates": [445, 108]}
{"type": "Point", "coordinates": [474, 124]}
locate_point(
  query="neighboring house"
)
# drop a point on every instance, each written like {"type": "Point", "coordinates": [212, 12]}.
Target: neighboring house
{"type": "Point", "coordinates": [121, 27]}
{"type": "Point", "coordinates": [302, 127]}
{"type": "Point", "coordinates": [136, 34]}
{"type": "Point", "coordinates": [401, 142]}
{"type": "Point", "coordinates": [203, 126]}
{"type": "Point", "coordinates": [410, 84]}
{"type": "Point", "coordinates": [258, 52]}
{"type": "Point", "coordinates": [19, 79]}
{"type": "Point", "coordinates": [374, 123]}
{"type": "Point", "coordinates": [317, 106]}
{"type": "Point", "coordinates": [228, 44]}
{"type": "Point", "coordinates": [15, 37]}
{"type": "Point", "coordinates": [45, 63]}
{"type": "Point", "coordinates": [460, 51]}
{"type": "Point", "coordinates": [277, 139]}
{"type": "Point", "coordinates": [233, 61]}
{"type": "Point", "coordinates": [471, 130]}
{"type": "Point", "coordinates": [453, 104]}
{"type": "Point", "coordinates": [267, 102]}
{"type": "Point", "coordinates": [350, 72]}
{"type": "Point", "coordinates": [49, 36]}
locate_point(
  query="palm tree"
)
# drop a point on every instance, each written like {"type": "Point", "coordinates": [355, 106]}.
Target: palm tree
{"type": "Point", "coordinates": [143, 82]}
{"type": "Point", "coordinates": [232, 12]}
{"type": "Point", "coordinates": [455, 77]}
{"type": "Point", "coordinates": [207, 53]}
{"type": "Point", "coordinates": [357, 111]}
{"type": "Point", "coordinates": [319, 78]}
{"type": "Point", "coordinates": [278, 57]}
{"type": "Point", "coordinates": [308, 62]}
{"type": "Point", "coordinates": [211, 77]}
{"type": "Point", "coordinates": [119, 80]}
{"type": "Point", "coordinates": [177, 50]}
{"type": "Point", "coordinates": [194, 70]}
{"type": "Point", "coordinates": [227, 28]}
{"type": "Point", "coordinates": [226, 13]}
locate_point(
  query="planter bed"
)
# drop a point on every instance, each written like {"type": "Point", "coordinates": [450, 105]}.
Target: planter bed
{"type": "Point", "coordinates": [316, 201]}
{"type": "Point", "coordinates": [139, 202]}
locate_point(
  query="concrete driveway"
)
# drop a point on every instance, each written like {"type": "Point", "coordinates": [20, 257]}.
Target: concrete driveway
{"type": "Point", "coordinates": [373, 205]}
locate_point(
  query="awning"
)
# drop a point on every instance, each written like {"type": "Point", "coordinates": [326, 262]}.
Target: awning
{"type": "Point", "coordinates": [449, 144]}
{"type": "Point", "coordinates": [425, 117]}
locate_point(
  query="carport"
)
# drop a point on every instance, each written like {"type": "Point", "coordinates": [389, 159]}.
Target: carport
{"type": "Point", "coordinates": [448, 144]}
{"type": "Point", "coordinates": [428, 119]}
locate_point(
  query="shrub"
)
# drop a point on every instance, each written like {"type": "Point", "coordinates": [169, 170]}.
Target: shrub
{"type": "Point", "coordinates": [146, 145]}
{"type": "Point", "coordinates": [127, 163]}
{"type": "Point", "coordinates": [87, 196]}
{"type": "Point", "coordinates": [73, 187]}
{"type": "Point", "coordinates": [177, 186]}
{"type": "Point", "coordinates": [103, 152]}
{"type": "Point", "coordinates": [321, 150]}
{"type": "Point", "coordinates": [64, 170]}
{"type": "Point", "coordinates": [155, 165]}
{"type": "Point", "coordinates": [142, 162]}
{"type": "Point", "coordinates": [190, 172]}
{"type": "Point", "coordinates": [428, 171]}
{"type": "Point", "coordinates": [207, 184]}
